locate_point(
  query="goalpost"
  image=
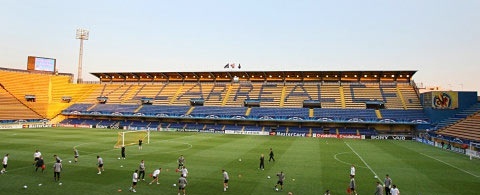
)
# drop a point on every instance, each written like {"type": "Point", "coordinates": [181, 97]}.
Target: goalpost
{"type": "Point", "coordinates": [471, 150]}
{"type": "Point", "coordinates": [126, 138]}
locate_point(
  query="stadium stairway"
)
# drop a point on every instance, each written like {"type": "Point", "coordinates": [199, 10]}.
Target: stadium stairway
{"type": "Point", "coordinates": [379, 114]}
{"type": "Point", "coordinates": [399, 94]}
{"type": "Point", "coordinates": [342, 97]}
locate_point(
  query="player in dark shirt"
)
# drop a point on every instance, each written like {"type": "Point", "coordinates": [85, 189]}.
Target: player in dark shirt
{"type": "Point", "coordinates": [39, 164]}
{"type": "Point", "coordinates": [271, 156]}
{"type": "Point", "coordinates": [262, 162]}
{"type": "Point", "coordinates": [123, 152]}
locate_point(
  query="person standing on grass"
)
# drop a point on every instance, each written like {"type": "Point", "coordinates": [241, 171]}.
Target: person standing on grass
{"type": "Point", "coordinates": [155, 175]}
{"type": "Point", "coordinates": [225, 180]}
{"type": "Point", "coordinates": [75, 154]}
{"type": "Point", "coordinates": [184, 171]}
{"type": "Point", "coordinates": [140, 144]}
{"type": "Point", "coordinates": [57, 158]}
{"type": "Point", "coordinates": [262, 162]}
{"type": "Point", "coordinates": [181, 161]}
{"type": "Point", "coordinates": [57, 168]}
{"type": "Point", "coordinates": [4, 163]}
{"type": "Point", "coordinates": [394, 190]}
{"type": "Point", "coordinates": [40, 164]}
{"type": "Point", "coordinates": [100, 165]}
{"type": "Point", "coordinates": [388, 184]}
{"type": "Point", "coordinates": [352, 186]}
{"type": "Point", "coordinates": [36, 156]}
{"type": "Point", "coordinates": [281, 178]}
{"type": "Point", "coordinates": [123, 152]}
{"type": "Point", "coordinates": [141, 167]}
{"type": "Point", "coordinates": [182, 184]}
{"type": "Point", "coordinates": [352, 171]}
{"type": "Point", "coordinates": [134, 181]}
{"type": "Point", "coordinates": [379, 189]}
{"type": "Point", "coordinates": [271, 156]}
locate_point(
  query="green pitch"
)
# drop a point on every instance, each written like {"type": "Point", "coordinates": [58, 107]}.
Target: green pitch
{"type": "Point", "coordinates": [311, 165]}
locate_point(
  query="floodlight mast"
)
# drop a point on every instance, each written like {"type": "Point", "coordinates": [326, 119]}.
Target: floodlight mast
{"type": "Point", "coordinates": [82, 34]}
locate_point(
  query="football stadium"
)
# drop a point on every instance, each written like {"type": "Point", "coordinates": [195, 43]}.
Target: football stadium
{"type": "Point", "coordinates": [318, 123]}
{"type": "Point", "coordinates": [240, 97]}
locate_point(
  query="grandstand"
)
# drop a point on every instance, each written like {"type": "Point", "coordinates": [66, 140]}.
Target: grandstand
{"type": "Point", "coordinates": [301, 102]}
{"type": "Point", "coordinates": [257, 101]}
{"type": "Point", "coordinates": [467, 129]}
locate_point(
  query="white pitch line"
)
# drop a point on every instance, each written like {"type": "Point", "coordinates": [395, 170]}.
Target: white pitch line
{"type": "Point", "coordinates": [368, 166]}
{"type": "Point", "coordinates": [449, 165]}
{"type": "Point", "coordinates": [336, 158]}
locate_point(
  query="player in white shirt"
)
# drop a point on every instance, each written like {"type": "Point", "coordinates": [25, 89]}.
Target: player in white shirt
{"type": "Point", "coordinates": [155, 175]}
{"type": "Point", "coordinates": [100, 165]}
{"type": "Point", "coordinates": [4, 162]}
{"type": "Point", "coordinates": [184, 171]}
{"type": "Point", "coordinates": [134, 180]}
{"type": "Point", "coordinates": [225, 180]}
{"type": "Point", "coordinates": [352, 171]}
{"type": "Point", "coordinates": [36, 156]}
{"type": "Point", "coordinates": [394, 190]}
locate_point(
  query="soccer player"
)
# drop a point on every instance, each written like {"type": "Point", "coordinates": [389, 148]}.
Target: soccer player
{"type": "Point", "coordinates": [155, 175]}
{"type": "Point", "coordinates": [141, 167]}
{"type": "Point", "coordinates": [281, 177]}
{"type": "Point", "coordinates": [394, 190]}
{"type": "Point", "coordinates": [379, 189]}
{"type": "Point", "coordinates": [100, 165]}
{"type": "Point", "coordinates": [184, 171]}
{"type": "Point", "coordinates": [40, 163]}
{"type": "Point", "coordinates": [182, 184]}
{"type": "Point", "coordinates": [271, 156]}
{"type": "Point", "coordinates": [352, 186]}
{"type": "Point", "coordinates": [75, 154]}
{"type": "Point", "coordinates": [57, 168]}
{"type": "Point", "coordinates": [327, 192]}
{"type": "Point", "coordinates": [352, 171]}
{"type": "Point", "coordinates": [262, 162]}
{"type": "Point", "coordinates": [388, 184]}
{"type": "Point", "coordinates": [123, 152]}
{"type": "Point", "coordinates": [181, 161]}
{"type": "Point", "coordinates": [4, 162]}
{"type": "Point", "coordinates": [225, 180]}
{"type": "Point", "coordinates": [36, 156]}
{"type": "Point", "coordinates": [134, 181]}
{"type": "Point", "coordinates": [57, 158]}
{"type": "Point", "coordinates": [140, 144]}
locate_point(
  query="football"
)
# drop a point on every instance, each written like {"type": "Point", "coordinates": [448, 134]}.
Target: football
{"type": "Point", "coordinates": [69, 161]}
{"type": "Point", "coordinates": [276, 189]}
{"type": "Point", "coordinates": [25, 186]}
{"type": "Point", "coordinates": [268, 177]}
{"type": "Point", "coordinates": [240, 159]}
{"type": "Point", "coordinates": [174, 184]}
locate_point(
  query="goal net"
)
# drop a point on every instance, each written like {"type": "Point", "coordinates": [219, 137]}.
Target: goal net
{"type": "Point", "coordinates": [126, 138]}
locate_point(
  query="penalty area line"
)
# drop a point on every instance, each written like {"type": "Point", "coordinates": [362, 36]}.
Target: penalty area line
{"type": "Point", "coordinates": [368, 166]}
{"type": "Point", "coordinates": [450, 165]}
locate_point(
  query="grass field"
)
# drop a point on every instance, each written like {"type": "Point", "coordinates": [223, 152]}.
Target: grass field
{"type": "Point", "coordinates": [311, 165]}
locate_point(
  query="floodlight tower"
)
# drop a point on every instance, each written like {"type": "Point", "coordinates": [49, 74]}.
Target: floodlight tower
{"type": "Point", "coordinates": [82, 34]}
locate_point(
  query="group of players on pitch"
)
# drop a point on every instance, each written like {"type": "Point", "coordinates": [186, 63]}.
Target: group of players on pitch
{"type": "Point", "coordinates": [388, 186]}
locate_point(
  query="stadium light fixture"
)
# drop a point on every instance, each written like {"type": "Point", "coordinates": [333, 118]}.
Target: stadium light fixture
{"type": "Point", "coordinates": [82, 34]}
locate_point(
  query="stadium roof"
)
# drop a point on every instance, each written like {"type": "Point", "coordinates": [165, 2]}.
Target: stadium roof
{"type": "Point", "coordinates": [259, 76]}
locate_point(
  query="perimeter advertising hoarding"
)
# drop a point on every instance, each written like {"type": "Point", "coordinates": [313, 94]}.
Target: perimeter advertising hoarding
{"type": "Point", "coordinates": [390, 137]}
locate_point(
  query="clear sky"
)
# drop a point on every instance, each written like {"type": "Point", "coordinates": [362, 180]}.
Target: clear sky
{"type": "Point", "coordinates": [438, 38]}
